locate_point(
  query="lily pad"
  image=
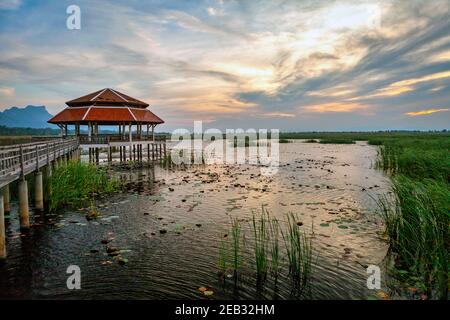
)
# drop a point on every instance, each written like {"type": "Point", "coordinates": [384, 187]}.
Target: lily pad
{"type": "Point", "coordinates": [324, 225]}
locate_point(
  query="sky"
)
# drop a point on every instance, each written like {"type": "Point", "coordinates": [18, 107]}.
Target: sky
{"type": "Point", "coordinates": [289, 65]}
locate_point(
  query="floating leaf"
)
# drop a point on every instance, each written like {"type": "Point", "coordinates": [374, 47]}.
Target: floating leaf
{"type": "Point", "coordinates": [208, 293]}
{"type": "Point", "coordinates": [383, 295]}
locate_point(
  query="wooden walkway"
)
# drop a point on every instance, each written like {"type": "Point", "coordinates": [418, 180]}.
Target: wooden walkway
{"type": "Point", "coordinates": [19, 160]}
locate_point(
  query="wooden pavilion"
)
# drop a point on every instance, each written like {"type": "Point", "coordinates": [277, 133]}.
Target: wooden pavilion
{"type": "Point", "coordinates": [108, 107]}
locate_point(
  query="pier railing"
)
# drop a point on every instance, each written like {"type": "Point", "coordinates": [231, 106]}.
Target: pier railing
{"type": "Point", "coordinates": [22, 159]}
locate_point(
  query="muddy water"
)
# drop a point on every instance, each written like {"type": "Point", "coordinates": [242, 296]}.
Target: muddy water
{"type": "Point", "coordinates": [330, 187]}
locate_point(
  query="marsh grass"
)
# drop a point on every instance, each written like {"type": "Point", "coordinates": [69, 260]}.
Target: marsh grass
{"type": "Point", "coordinates": [75, 183]}
{"type": "Point", "coordinates": [299, 252]}
{"type": "Point", "coordinates": [418, 218]}
{"type": "Point", "coordinates": [274, 232]}
{"type": "Point", "coordinates": [236, 244]}
{"type": "Point", "coordinates": [261, 239]}
{"type": "Point", "coordinates": [418, 227]}
{"type": "Point", "coordinates": [223, 256]}
{"type": "Point", "coordinates": [336, 141]}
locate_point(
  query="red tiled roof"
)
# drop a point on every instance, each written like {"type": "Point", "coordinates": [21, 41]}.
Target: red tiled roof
{"type": "Point", "coordinates": [105, 115]}
{"type": "Point", "coordinates": [107, 106]}
{"type": "Point", "coordinates": [146, 116]}
{"type": "Point", "coordinates": [107, 96]}
{"type": "Point", "coordinates": [69, 115]}
{"type": "Point", "coordinates": [112, 114]}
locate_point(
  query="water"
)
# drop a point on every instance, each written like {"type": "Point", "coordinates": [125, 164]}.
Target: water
{"type": "Point", "coordinates": [331, 187]}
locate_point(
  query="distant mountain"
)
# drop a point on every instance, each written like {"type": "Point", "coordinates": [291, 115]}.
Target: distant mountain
{"type": "Point", "coordinates": [28, 117]}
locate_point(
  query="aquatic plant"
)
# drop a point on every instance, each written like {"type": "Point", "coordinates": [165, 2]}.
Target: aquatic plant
{"type": "Point", "coordinates": [274, 231]}
{"type": "Point", "coordinates": [261, 240]}
{"type": "Point", "coordinates": [417, 222]}
{"type": "Point", "coordinates": [236, 244]}
{"type": "Point", "coordinates": [223, 256]}
{"type": "Point", "coordinates": [284, 141]}
{"type": "Point", "coordinates": [299, 252]}
{"type": "Point", "coordinates": [417, 219]}
{"type": "Point", "coordinates": [75, 183]}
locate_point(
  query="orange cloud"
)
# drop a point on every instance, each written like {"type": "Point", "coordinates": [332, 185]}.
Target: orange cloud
{"type": "Point", "coordinates": [425, 112]}
{"type": "Point", "coordinates": [279, 114]}
{"type": "Point", "coordinates": [333, 107]}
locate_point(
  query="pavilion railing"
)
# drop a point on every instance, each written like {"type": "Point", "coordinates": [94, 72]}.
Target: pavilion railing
{"type": "Point", "coordinates": [108, 138]}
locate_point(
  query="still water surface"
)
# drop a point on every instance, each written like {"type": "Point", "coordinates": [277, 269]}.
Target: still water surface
{"type": "Point", "coordinates": [331, 187]}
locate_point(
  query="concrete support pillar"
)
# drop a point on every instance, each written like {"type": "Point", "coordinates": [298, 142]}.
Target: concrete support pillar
{"type": "Point", "coordinates": [2, 230]}
{"type": "Point", "coordinates": [39, 192]}
{"type": "Point", "coordinates": [6, 199]}
{"type": "Point", "coordinates": [23, 204]}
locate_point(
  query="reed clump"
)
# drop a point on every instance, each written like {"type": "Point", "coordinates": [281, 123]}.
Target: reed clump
{"type": "Point", "coordinates": [75, 183]}
{"type": "Point", "coordinates": [299, 251]}
{"type": "Point", "coordinates": [266, 233]}
{"type": "Point", "coordinates": [418, 217]}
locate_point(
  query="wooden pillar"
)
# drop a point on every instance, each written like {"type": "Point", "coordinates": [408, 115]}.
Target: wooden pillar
{"type": "Point", "coordinates": [89, 132]}
{"type": "Point", "coordinates": [153, 152]}
{"type": "Point", "coordinates": [2, 229]}
{"type": "Point", "coordinates": [109, 154]}
{"type": "Point", "coordinates": [6, 198]}
{"type": "Point", "coordinates": [130, 133]}
{"type": "Point", "coordinates": [23, 204]}
{"type": "Point", "coordinates": [148, 152]}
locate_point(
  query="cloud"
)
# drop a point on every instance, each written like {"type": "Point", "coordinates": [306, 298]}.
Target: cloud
{"type": "Point", "coordinates": [279, 115]}
{"type": "Point", "coordinates": [7, 91]}
{"type": "Point", "coordinates": [333, 107]}
{"type": "Point", "coordinates": [10, 4]}
{"type": "Point", "coordinates": [253, 60]}
{"type": "Point", "coordinates": [426, 112]}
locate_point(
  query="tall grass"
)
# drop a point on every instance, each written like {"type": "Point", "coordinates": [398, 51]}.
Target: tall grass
{"type": "Point", "coordinates": [418, 219]}
{"type": "Point", "coordinates": [299, 252]}
{"type": "Point", "coordinates": [236, 244]}
{"type": "Point", "coordinates": [418, 228]}
{"type": "Point", "coordinates": [223, 256]}
{"type": "Point", "coordinates": [274, 232]}
{"type": "Point", "coordinates": [261, 238]}
{"type": "Point", "coordinates": [266, 233]}
{"type": "Point", "coordinates": [76, 183]}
